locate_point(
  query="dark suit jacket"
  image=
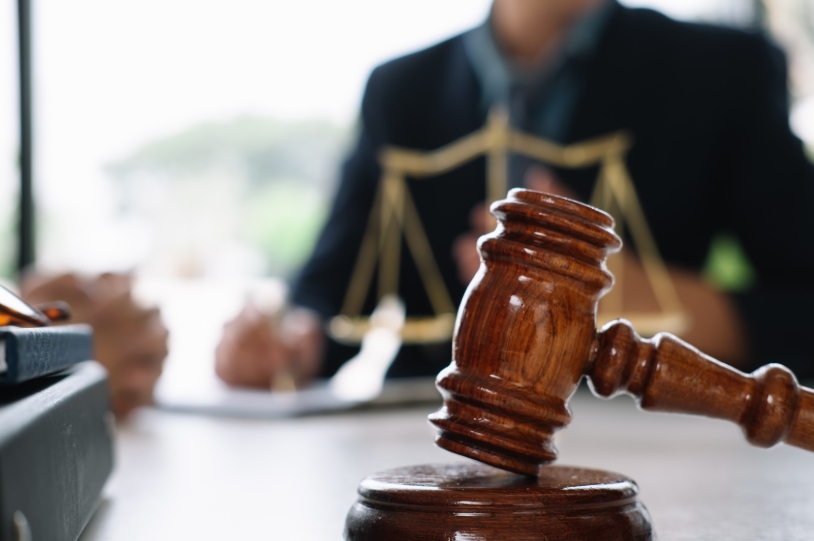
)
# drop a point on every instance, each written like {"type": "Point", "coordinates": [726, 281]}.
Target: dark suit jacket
{"type": "Point", "coordinates": [713, 152]}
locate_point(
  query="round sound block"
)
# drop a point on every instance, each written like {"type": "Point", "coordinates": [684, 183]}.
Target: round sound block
{"type": "Point", "coordinates": [442, 502]}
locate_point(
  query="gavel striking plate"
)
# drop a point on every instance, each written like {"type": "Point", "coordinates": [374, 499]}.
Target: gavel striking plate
{"type": "Point", "coordinates": [524, 337]}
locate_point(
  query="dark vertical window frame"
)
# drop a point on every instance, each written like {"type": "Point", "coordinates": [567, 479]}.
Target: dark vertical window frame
{"type": "Point", "coordinates": [25, 239]}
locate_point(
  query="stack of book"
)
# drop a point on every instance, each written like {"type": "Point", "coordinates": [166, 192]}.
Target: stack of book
{"type": "Point", "coordinates": [56, 432]}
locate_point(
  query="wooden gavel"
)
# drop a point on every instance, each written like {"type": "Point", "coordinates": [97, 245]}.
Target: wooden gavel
{"type": "Point", "coordinates": [526, 334]}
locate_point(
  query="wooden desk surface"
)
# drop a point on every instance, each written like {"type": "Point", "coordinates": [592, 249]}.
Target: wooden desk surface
{"type": "Point", "coordinates": [191, 477]}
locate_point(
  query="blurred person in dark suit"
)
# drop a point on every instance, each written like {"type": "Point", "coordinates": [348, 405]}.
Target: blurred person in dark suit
{"type": "Point", "coordinates": [707, 108]}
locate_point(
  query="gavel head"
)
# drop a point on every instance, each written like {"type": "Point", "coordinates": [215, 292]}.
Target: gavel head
{"type": "Point", "coordinates": [525, 331]}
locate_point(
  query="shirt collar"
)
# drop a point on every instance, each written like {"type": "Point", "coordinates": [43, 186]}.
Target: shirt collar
{"type": "Point", "coordinates": [497, 73]}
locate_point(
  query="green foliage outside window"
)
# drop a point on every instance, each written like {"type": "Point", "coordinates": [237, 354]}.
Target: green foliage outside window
{"type": "Point", "coordinates": [267, 183]}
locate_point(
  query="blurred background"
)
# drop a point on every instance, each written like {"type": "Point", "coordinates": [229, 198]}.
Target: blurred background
{"type": "Point", "coordinates": [196, 144]}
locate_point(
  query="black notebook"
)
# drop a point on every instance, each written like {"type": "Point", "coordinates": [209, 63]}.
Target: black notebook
{"type": "Point", "coordinates": [56, 452]}
{"type": "Point", "coordinates": [30, 353]}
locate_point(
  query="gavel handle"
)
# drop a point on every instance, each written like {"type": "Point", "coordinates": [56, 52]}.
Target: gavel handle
{"type": "Point", "coordinates": [666, 374]}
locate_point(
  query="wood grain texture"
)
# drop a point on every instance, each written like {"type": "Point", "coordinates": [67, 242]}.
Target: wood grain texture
{"type": "Point", "coordinates": [526, 334]}
{"type": "Point", "coordinates": [524, 331]}
{"type": "Point", "coordinates": [666, 374]}
{"type": "Point", "coordinates": [475, 501]}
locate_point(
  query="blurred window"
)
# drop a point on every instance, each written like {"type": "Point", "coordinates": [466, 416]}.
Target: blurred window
{"type": "Point", "coordinates": [180, 138]}
{"type": "Point", "coordinates": [9, 140]}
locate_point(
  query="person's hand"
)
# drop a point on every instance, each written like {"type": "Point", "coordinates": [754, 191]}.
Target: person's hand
{"type": "Point", "coordinates": [465, 247]}
{"type": "Point", "coordinates": [271, 351]}
{"type": "Point", "coordinates": [543, 179]}
{"type": "Point", "coordinates": [715, 325]}
{"type": "Point", "coordinates": [129, 340]}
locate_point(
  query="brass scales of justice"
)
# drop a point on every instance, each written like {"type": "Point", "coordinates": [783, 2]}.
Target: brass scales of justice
{"type": "Point", "coordinates": [394, 215]}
